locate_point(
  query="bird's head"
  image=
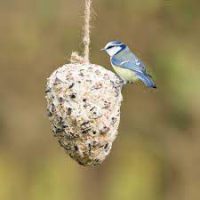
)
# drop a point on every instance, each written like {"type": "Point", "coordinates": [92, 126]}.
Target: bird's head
{"type": "Point", "coordinates": [114, 47]}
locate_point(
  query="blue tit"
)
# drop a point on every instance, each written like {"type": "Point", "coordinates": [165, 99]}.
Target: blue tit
{"type": "Point", "coordinates": [126, 64]}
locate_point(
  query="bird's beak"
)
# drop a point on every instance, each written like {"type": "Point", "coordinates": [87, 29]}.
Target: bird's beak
{"type": "Point", "coordinates": [102, 49]}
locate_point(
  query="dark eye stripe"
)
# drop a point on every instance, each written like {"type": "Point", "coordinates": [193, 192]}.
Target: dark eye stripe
{"type": "Point", "coordinates": [110, 47]}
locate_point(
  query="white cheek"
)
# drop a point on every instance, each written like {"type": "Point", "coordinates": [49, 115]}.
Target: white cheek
{"type": "Point", "coordinates": [113, 51]}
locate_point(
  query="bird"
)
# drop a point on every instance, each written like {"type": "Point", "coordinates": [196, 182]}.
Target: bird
{"type": "Point", "coordinates": [127, 65]}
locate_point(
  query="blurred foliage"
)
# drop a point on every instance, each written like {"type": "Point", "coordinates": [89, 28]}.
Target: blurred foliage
{"type": "Point", "coordinates": [156, 155]}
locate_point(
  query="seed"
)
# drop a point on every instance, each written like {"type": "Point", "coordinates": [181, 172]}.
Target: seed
{"type": "Point", "coordinates": [86, 131]}
{"type": "Point", "coordinates": [69, 110]}
{"type": "Point", "coordinates": [53, 108]}
{"type": "Point", "coordinates": [49, 113]}
{"type": "Point", "coordinates": [80, 163]}
{"type": "Point", "coordinates": [73, 96]}
{"type": "Point", "coordinates": [90, 147]}
{"type": "Point", "coordinates": [85, 123]}
{"type": "Point", "coordinates": [47, 90]}
{"type": "Point", "coordinates": [92, 108]}
{"type": "Point", "coordinates": [71, 86]}
{"type": "Point", "coordinates": [58, 130]}
{"type": "Point", "coordinates": [106, 146]}
{"type": "Point", "coordinates": [61, 99]}
{"type": "Point", "coordinates": [76, 148]}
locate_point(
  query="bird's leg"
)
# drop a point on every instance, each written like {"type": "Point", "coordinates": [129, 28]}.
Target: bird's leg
{"type": "Point", "coordinates": [122, 81]}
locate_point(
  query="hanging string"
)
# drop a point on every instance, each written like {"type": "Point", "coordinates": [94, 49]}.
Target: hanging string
{"type": "Point", "coordinates": [86, 30]}
{"type": "Point", "coordinates": [75, 57]}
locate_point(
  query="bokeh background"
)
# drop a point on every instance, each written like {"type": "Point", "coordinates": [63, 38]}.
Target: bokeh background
{"type": "Point", "coordinates": [157, 153]}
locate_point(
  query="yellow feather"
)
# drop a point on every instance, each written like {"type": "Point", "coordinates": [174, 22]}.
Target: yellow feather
{"type": "Point", "coordinates": [125, 74]}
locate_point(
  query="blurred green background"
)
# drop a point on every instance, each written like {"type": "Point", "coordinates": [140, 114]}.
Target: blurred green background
{"type": "Point", "coordinates": [156, 155]}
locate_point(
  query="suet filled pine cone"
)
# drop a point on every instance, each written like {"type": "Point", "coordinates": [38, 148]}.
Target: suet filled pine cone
{"type": "Point", "coordinates": [83, 104]}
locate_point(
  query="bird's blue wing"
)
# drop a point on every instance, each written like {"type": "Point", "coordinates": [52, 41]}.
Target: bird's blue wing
{"type": "Point", "coordinates": [126, 59]}
{"type": "Point", "coordinates": [146, 79]}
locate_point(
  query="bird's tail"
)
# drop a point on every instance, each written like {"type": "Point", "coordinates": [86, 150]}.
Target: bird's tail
{"type": "Point", "coordinates": [146, 79]}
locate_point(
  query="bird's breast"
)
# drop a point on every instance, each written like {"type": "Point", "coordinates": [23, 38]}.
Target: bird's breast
{"type": "Point", "coordinates": [126, 74]}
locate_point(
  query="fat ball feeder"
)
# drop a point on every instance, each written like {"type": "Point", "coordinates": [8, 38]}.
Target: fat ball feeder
{"type": "Point", "coordinates": [83, 105]}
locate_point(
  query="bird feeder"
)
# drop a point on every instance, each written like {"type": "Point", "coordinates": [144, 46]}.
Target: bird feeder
{"type": "Point", "coordinates": [83, 105]}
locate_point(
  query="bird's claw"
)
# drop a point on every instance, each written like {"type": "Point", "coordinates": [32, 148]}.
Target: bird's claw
{"type": "Point", "coordinates": [123, 82]}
